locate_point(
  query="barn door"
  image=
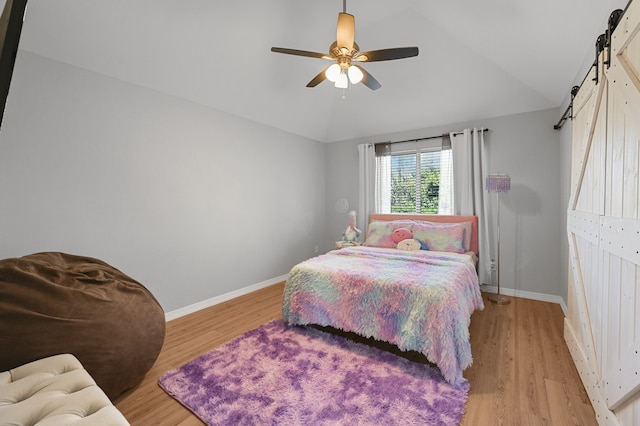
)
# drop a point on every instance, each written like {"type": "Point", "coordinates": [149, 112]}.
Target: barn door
{"type": "Point", "coordinates": [586, 206]}
{"type": "Point", "coordinates": [602, 328]}
{"type": "Point", "coordinates": [620, 228]}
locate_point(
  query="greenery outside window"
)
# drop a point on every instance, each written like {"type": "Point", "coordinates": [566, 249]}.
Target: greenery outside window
{"type": "Point", "coordinates": [415, 180]}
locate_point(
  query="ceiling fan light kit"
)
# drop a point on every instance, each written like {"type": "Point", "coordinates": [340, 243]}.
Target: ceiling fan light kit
{"type": "Point", "coordinates": [355, 75]}
{"type": "Point", "coordinates": [344, 51]}
{"type": "Point", "coordinates": [338, 76]}
{"type": "Point", "coordinates": [333, 72]}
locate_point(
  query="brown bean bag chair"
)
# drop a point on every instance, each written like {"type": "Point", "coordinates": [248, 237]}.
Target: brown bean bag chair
{"type": "Point", "coordinates": [53, 303]}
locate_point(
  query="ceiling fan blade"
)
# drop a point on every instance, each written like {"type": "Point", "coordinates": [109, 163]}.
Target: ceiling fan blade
{"type": "Point", "coordinates": [318, 78]}
{"type": "Point", "coordinates": [368, 79]}
{"type": "Point", "coordinates": [301, 53]}
{"type": "Point", "coordinates": [346, 32]}
{"type": "Point", "coordinates": [387, 54]}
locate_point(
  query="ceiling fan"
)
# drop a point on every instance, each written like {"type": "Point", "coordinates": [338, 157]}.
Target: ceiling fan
{"type": "Point", "coordinates": [345, 51]}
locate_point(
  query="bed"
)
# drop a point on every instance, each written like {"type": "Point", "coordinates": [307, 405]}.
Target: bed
{"type": "Point", "coordinates": [419, 300]}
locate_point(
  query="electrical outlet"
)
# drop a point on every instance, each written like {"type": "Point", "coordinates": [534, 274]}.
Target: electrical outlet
{"type": "Point", "coordinates": [315, 249]}
{"type": "Point", "coordinates": [493, 265]}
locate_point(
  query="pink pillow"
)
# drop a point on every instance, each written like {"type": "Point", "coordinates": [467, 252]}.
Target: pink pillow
{"type": "Point", "coordinates": [441, 237]}
{"type": "Point", "coordinates": [379, 233]}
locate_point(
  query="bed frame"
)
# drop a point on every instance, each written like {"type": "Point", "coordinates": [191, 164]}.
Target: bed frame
{"type": "Point", "coordinates": [432, 218]}
{"type": "Point", "coordinates": [349, 290]}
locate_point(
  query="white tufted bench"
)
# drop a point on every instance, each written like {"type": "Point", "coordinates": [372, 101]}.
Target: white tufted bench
{"type": "Point", "coordinates": [54, 391]}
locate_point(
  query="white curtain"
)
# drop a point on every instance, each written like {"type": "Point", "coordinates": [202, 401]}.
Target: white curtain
{"type": "Point", "coordinates": [468, 176]}
{"type": "Point", "coordinates": [446, 191]}
{"type": "Point", "coordinates": [366, 184]}
{"type": "Point", "coordinates": [383, 178]}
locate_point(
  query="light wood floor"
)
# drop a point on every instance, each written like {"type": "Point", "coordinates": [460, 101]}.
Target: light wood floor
{"type": "Point", "coordinates": [522, 372]}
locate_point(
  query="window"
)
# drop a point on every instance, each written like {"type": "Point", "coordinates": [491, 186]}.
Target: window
{"type": "Point", "coordinates": [415, 180]}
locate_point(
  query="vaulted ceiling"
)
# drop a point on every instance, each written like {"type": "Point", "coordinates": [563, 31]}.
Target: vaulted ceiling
{"type": "Point", "coordinates": [478, 59]}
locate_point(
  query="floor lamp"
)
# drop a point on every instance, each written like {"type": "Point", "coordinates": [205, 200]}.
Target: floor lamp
{"type": "Point", "coordinates": [499, 182]}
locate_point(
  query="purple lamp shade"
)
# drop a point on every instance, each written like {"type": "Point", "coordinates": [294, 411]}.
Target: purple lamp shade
{"type": "Point", "coordinates": [499, 182]}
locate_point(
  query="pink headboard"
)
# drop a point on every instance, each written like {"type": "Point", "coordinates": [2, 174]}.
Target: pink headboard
{"type": "Point", "coordinates": [433, 218]}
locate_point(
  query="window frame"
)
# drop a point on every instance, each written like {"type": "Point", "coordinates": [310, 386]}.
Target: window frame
{"type": "Point", "coordinates": [416, 148]}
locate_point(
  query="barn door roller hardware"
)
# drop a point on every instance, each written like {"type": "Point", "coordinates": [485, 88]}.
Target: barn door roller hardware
{"type": "Point", "coordinates": [603, 43]}
{"type": "Point", "coordinates": [614, 20]}
{"type": "Point", "coordinates": [568, 113]}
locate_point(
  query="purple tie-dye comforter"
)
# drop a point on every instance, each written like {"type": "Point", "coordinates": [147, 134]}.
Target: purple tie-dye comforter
{"type": "Point", "coordinates": [418, 300]}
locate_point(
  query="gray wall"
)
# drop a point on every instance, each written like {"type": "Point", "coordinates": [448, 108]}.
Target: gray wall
{"type": "Point", "coordinates": [192, 202]}
{"type": "Point", "coordinates": [565, 179]}
{"type": "Point", "coordinates": [526, 147]}
{"type": "Point", "coordinates": [196, 203]}
{"type": "Point", "coordinates": [565, 135]}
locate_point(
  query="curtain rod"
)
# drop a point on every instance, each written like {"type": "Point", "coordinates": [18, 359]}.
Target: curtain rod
{"type": "Point", "coordinates": [428, 137]}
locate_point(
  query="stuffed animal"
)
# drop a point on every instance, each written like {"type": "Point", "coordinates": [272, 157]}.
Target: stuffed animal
{"type": "Point", "coordinates": [401, 234]}
{"type": "Point", "coordinates": [351, 233]}
{"type": "Point", "coordinates": [403, 237]}
{"type": "Point", "coordinates": [410, 244]}
{"type": "Point", "coordinates": [404, 240]}
{"type": "Point", "coordinates": [423, 245]}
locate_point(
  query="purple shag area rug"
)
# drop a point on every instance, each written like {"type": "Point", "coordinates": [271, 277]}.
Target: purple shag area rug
{"type": "Point", "coordinates": [291, 375]}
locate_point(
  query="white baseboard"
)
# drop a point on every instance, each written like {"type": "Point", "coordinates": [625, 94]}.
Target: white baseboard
{"type": "Point", "coordinates": [527, 295]}
{"type": "Point", "coordinates": [222, 298]}
{"type": "Point", "coordinates": [180, 312]}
